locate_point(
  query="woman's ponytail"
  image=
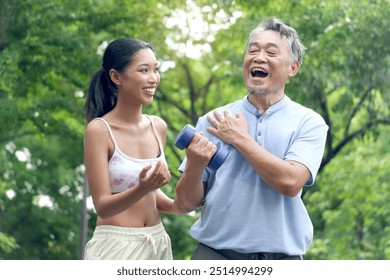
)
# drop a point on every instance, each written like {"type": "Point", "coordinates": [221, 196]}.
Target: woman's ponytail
{"type": "Point", "coordinates": [101, 96]}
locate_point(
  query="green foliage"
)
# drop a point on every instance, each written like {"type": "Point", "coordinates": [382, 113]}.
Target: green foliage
{"type": "Point", "coordinates": [350, 208]}
{"type": "Point", "coordinates": [50, 49]}
{"type": "Point", "coordinates": [7, 245]}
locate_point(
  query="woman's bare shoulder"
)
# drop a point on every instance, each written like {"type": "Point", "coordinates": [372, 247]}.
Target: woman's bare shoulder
{"type": "Point", "coordinates": [96, 127]}
{"type": "Point", "coordinates": [159, 123]}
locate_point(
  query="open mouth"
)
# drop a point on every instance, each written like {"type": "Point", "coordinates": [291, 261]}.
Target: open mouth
{"type": "Point", "coordinates": [257, 72]}
{"type": "Point", "coordinates": [149, 90]}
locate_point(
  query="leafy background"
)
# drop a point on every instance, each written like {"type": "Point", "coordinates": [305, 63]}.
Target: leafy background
{"type": "Point", "coordinates": [50, 49]}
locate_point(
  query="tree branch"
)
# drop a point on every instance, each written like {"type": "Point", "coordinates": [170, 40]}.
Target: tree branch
{"type": "Point", "coordinates": [167, 99]}
{"type": "Point", "coordinates": [355, 110]}
{"type": "Point", "coordinates": [193, 96]}
{"type": "Point", "coordinates": [348, 138]}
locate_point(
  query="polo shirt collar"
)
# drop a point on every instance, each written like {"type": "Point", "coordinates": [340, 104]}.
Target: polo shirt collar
{"type": "Point", "coordinates": [274, 108]}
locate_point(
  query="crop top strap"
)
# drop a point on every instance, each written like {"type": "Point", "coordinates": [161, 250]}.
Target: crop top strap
{"type": "Point", "coordinates": [109, 130]}
{"type": "Point", "coordinates": [156, 134]}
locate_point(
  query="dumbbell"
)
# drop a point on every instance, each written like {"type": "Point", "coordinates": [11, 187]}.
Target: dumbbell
{"type": "Point", "coordinates": [184, 138]}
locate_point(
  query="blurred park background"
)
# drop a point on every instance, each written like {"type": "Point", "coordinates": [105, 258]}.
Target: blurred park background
{"type": "Point", "coordinates": [49, 50]}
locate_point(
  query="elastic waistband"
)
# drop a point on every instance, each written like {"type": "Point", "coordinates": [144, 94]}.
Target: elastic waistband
{"type": "Point", "coordinates": [128, 233]}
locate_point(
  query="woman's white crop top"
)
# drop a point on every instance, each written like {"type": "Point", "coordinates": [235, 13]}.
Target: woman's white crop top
{"type": "Point", "coordinates": [124, 170]}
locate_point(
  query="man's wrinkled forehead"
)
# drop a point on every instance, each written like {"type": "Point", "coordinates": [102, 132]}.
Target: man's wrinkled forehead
{"type": "Point", "coordinates": [260, 38]}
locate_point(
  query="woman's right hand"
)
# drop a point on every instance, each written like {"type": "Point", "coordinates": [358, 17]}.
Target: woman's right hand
{"type": "Point", "coordinates": [155, 179]}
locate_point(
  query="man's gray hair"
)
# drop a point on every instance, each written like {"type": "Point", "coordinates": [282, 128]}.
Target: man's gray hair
{"type": "Point", "coordinates": [297, 49]}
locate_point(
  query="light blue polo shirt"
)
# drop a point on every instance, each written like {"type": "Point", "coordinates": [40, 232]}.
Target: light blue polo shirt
{"type": "Point", "coordinates": [241, 211]}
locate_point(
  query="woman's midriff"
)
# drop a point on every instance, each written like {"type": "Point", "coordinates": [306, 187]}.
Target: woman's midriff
{"type": "Point", "coordinates": [142, 214]}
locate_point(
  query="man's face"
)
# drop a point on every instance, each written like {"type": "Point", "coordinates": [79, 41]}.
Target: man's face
{"type": "Point", "coordinates": [267, 64]}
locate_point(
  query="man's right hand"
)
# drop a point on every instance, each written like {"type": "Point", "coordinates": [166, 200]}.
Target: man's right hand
{"type": "Point", "coordinates": [200, 151]}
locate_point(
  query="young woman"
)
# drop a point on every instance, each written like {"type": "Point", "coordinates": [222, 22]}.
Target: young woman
{"type": "Point", "coordinates": [124, 156]}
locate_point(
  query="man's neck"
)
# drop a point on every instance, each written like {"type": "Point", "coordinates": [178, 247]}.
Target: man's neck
{"type": "Point", "coordinates": [264, 102]}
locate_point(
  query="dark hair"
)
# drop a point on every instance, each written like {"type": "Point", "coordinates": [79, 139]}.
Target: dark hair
{"type": "Point", "coordinates": [297, 49]}
{"type": "Point", "coordinates": [102, 92]}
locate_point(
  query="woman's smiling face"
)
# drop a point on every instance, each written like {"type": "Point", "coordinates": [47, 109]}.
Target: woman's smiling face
{"type": "Point", "coordinates": [140, 78]}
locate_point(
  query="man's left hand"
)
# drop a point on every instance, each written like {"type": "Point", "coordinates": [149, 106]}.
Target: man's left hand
{"type": "Point", "coordinates": [228, 127]}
